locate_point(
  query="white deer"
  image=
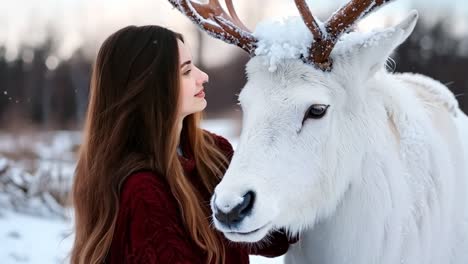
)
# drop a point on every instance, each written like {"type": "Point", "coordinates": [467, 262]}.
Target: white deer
{"type": "Point", "coordinates": [366, 165]}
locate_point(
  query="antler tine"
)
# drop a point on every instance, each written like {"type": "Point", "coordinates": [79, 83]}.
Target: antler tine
{"type": "Point", "coordinates": [340, 22]}
{"type": "Point", "coordinates": [215, 21]}
{"type": "Point", "coordinates": [309, 20]}
{"type": "Point", "coordinates": [233, 14]}
{"type": "Point", "coordinates": [349, 14]}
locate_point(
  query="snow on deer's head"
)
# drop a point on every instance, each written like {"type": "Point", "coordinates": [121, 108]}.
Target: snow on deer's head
{"type": "Point", "coordinates": [304, 117]}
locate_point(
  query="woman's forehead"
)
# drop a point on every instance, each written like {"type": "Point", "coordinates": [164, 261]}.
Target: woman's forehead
{"type": "Point", "coordinates": [184, 52]}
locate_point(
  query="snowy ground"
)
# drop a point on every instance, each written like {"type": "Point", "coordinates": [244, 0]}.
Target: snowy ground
{"type": "Point", "coordinates": [35, 240]}
{"type": "Point", "coordinates": [26, 238]}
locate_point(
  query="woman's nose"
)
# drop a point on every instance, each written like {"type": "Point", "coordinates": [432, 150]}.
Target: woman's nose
{"type": "Point", "coordinates": [203, 77]}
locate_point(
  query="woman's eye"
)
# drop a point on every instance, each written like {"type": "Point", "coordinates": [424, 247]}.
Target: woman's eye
{"type": "Point", "coordinates": [187, 72]}
{"type": "Point", "coordinates": [316, 111]}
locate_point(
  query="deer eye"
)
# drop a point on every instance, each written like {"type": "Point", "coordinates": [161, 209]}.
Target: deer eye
{"type": "Point", "coordinates": [316, 111]}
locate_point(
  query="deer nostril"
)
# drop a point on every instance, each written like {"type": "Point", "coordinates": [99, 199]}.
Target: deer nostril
{"type": "Point", "coordinates": [238, 213]}
{"type": "Point", "coordinates": [246, 206]}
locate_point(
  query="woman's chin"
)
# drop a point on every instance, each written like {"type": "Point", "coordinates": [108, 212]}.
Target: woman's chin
{"type": "Point", "coordinates": [201, 105]}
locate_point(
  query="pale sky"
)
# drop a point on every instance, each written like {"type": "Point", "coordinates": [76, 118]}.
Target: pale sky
{"type": "Point", "coordinates": [88, 22]}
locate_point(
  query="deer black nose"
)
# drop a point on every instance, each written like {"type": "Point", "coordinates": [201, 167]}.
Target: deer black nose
{"type": "Point", "coordinates": [238, 212]}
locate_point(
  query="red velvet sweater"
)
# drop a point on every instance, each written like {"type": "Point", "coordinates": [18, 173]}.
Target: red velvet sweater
{"type": "Point", "coordinates": [149, 225]}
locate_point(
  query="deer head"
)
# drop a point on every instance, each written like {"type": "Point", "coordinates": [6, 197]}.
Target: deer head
{"type": "Point", "coordinates": [306, 125]}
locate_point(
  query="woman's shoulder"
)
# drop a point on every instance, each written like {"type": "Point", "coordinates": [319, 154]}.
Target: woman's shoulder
{"type": "Point", "coordinates": [142, 179]}
{"type": "Point", "coordinates": [145, 186]}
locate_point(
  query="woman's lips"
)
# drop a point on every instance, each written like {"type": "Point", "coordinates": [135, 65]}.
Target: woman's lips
{"type": "Point", "coordinates": [201, 93]}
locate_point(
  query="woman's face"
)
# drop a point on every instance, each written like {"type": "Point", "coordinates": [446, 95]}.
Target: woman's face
{"type": "Point", "coordinates": [192, 94]}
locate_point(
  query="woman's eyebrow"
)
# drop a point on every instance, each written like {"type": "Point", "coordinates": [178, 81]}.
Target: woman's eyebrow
{"type": "Point", "coordinates": [185, 63]}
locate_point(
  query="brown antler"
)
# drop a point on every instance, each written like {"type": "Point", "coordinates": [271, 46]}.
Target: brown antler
{"type": "Point", "coordinates": [309, 20]}
{"type": "Point", "coordinates": [340, 22]}
{"type": "Point", "coordinates": [213, 19]}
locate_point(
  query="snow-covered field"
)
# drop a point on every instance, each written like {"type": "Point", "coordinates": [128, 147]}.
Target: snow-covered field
{"type": "Point", "coordinates": [40, 235]}
{"type": "Point", "coordinates": [32, 239]}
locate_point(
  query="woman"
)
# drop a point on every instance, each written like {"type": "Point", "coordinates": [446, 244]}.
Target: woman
{"type": "Point", "coordinates": [146, 170]}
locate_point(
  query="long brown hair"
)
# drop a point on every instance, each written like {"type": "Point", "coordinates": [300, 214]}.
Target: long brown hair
{"type": "Point", "coordinates": [131, 125]}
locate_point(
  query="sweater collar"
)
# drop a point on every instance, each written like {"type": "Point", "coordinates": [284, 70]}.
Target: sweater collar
{"type": "Point", "coordinates": [187, 159]}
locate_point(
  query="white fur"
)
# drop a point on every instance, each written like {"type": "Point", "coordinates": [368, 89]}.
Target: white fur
{"type": "Point", "coordinates": [381, 178]}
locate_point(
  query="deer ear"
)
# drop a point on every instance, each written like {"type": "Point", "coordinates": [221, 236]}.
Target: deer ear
{"type": "Point", "coordinates": [372, 52]}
